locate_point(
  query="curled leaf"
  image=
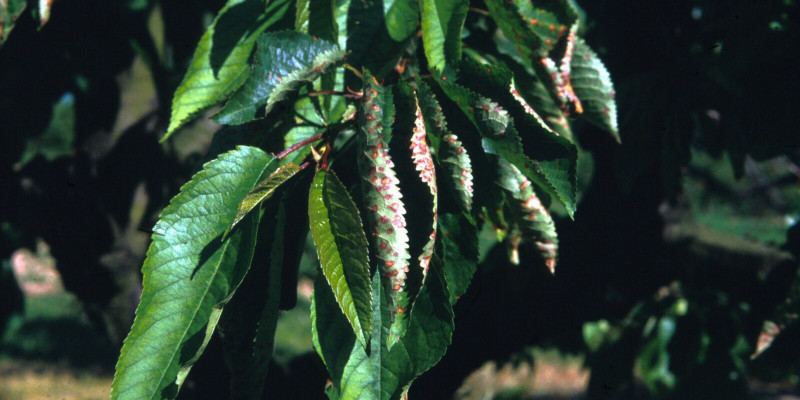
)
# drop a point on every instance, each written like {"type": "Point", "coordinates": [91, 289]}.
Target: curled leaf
{"type": "Point", "coordinates": [423, 163]}
{"type": "Point", "coordinates": [382, 197]}
{"type": "Point", "coordinates": [535, 221]}
{"type": "Point", "coordinates": [451, 153]}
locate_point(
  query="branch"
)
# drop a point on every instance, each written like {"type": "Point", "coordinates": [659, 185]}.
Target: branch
{"type": "Point", "coordinates": [298, 145]}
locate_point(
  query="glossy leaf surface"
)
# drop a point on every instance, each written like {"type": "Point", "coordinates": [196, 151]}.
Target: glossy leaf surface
{"type": "Point", "coordinates": [220, 62]}
{"type": "Point", "coordinates": [442, 22]}
{"type": "Point", "coordinates": [342, 249]}
{"type": "Point", "coordinates": [284, 62]}
{"type": "Point", "coordinates": [264, 190]}
{"type": "Point", "coordinates": [189, 274]}
{"type": "Point", "coordinates": [381, 373]}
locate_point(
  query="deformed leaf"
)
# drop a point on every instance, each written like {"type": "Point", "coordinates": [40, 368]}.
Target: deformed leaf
{"type": "Point", "coordinates": [423, 163]}
{"type": "Point", "coordinates": [219, 64]}
{"type": "Point", "coordinates": [442, 22]}
{"type": "Point", "coordinates": [189, 274]}
{"type": "Point", "coordinates": [535, 221]}
{"type": "Point", "coordinates": [534, 50]}
{"type": "Point", "coordinates": [264, 190]}
{"type": "Point", "coordinates": [382, 198]}
{"type": "Point", "coordinates": [500, 138]}
{"type": "Point", "coordinates": [556, 156]}
{"type": "Point", "coordinates": [592, 84]}
{"type": "Point", "coordinates": [451, 153]}
{"type": "Point", "coordinates": [342, 249]}
{"type": "Point", "coordinates": [283, 63]}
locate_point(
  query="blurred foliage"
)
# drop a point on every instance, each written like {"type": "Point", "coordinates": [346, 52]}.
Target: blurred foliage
{"type": "Point", "coordinates": [677, 255]}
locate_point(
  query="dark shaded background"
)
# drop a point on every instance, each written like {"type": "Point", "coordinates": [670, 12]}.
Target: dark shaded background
{"type": "Point", "coordinates": [717, 78]}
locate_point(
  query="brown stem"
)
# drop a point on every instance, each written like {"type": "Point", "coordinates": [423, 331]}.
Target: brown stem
{"type": "Point", "coordinates": [336, 93]}
{"type": "Point", "coordinates": [298, 145]}
{"type": "Point", "coordinates": [479, 11]}
{"type": "Point", "coordinates": [354, 70]}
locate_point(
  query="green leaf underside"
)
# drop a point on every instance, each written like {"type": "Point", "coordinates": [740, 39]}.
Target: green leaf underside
{"type": "Point", "coordinates": [534, 220]}
{"type": "Point", "coordinates": [442, 22]}
{"type": "Point", "coordinates": [342, 249]}
{"type": "Point", "coordinates": [452, 156]}
{"type": "Point", "coordinates": [264, 190]}
{"type": "Point", "coordinates": [382, 198]}
{"type": "Point", "coordinates": [459, 238]}
{"type": "Point", "coordinates": [383, 373]}
{"type": "Point", "coordinates": [189, 274]}
{"type": "Point", "coordinates": [220, 62]}
{"type": "Point", "coordinates": [283, 63]}
{"type": "Point", "coordinates": [402, 18]}
{"type": "Point", "coordinates": [247, 325]}
{"type": "Point", "coordinates": [592, 84]}
{"type": "Point", "coordinates": [500, 137]}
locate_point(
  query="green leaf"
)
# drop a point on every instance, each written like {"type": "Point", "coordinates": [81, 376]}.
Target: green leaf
{"type": "Point", "coordinates": [544, 23]}
{"type": "Point", "coordinates": [459, 238]}
{"type": "Point", "coordinates": [220, 62]}
{"type": "Point", "coordinates": [385, 211]}
{"type": "Point", "coordinates": [264, 190]}
{"type": "Point", "coordinates": [247, 325]}
{"type": "Point", "coordinates": [592, 84]}
{"type": "Point", "coordinates": [283, 63]}
{"type": "Point", "coordinates": [10, 10]}
{"type": "Point", "coordinates": [316, 17]}
{"type": "Point", "coordinates": [534, 50]}
{"type": "Point", "coordinates": [534, 220]}
{"type": "Point", "coordinates": [442, 22]}
{"type": "Point", "coordinates": [369, 45]}
{"type": "Point", "coordinates": [555, 155]}
{"type": "Point", "coordinates": [533, 91]}
{"type": "Point", "coordinates": [342, 249]}
{"type": "Point", "coordinates": [189, 274]}
{"type": "Point", "coordinates": [381, 373]}
{"type": "Point", "coordinates": [500, 138]}
{"type": "Point", "coordinates": [450, 152]}
{"type": "Point", "coordinates": [402, 18]}
{"type": "Point", "coordinates": [58, 137]}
